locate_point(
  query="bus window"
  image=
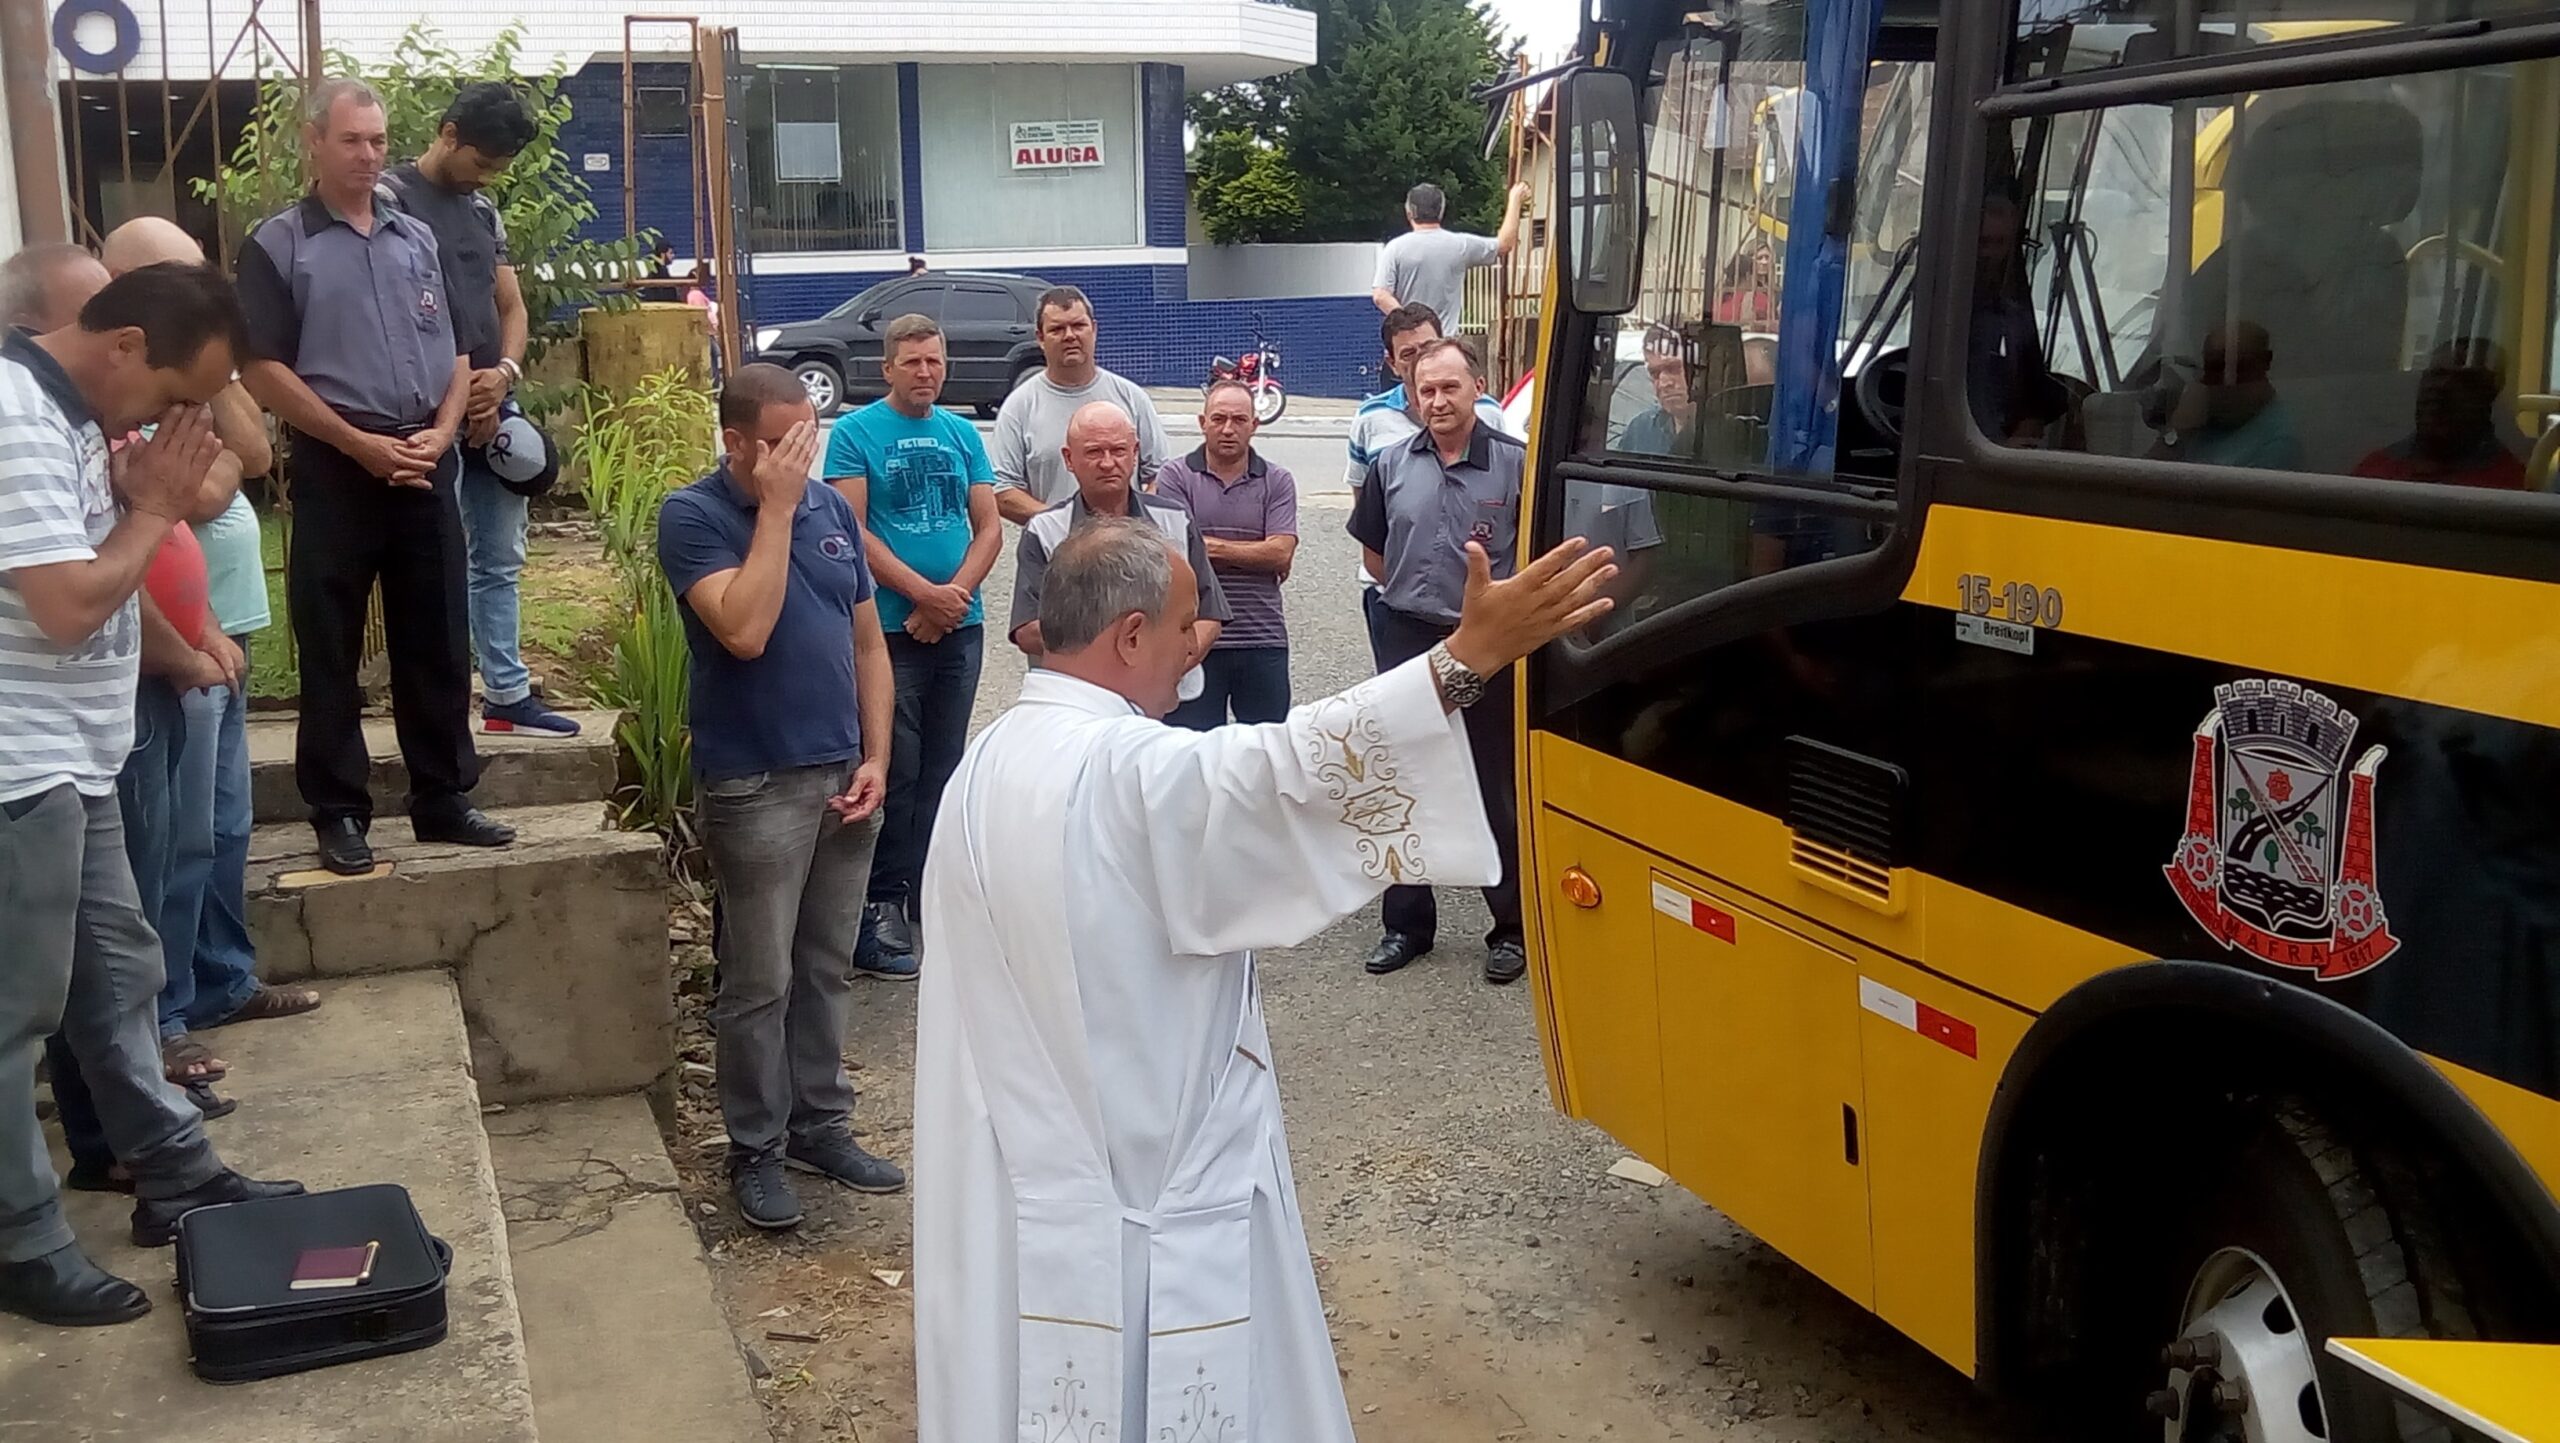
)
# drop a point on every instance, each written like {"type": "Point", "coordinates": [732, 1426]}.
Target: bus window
{"type": "Point", "coordinates": [2078, 35]}
{"type": "Point", "coordinates": [2329, 279]}
{"type": "Point", "coordinates": [1691, 378]}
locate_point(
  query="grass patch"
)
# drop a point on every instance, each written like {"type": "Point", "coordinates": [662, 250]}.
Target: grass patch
{"type": "Point", "coordinates": [275, 671]}
{"type": "Point", "coordinates": [568, 598]}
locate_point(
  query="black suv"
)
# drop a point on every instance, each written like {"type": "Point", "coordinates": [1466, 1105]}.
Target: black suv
{"type": "Point", "coordinates": [986, 319]}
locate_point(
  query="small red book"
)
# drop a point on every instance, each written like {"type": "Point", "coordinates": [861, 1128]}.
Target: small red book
{"type": "Point", "coordinates": [334, 1267]}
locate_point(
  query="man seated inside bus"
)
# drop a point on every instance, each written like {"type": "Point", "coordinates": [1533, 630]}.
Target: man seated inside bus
{"type": "Point", "coordinates": [2230, 414]}
{"type": "Point", "coordinates": [2455, 441]}
{"type": "Point", "coordinates": [2014, 394]}
{"type": "Point", "coordinates": [1665, 429]}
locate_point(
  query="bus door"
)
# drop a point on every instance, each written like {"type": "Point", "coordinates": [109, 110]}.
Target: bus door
{"type": "Point", "coordinates": [1724, 448]}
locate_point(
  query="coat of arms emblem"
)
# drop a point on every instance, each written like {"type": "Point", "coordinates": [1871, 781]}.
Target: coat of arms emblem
{"type": "Point", "coordinates": [2277, 860]}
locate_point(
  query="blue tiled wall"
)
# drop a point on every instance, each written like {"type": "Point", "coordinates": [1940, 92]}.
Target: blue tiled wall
{"type": "Point", "coordinates": [595, 127]}
{"type": "Point", "coordinates": [1328, 344]}
{"type": "Point", "coordinates": [1160, 94]}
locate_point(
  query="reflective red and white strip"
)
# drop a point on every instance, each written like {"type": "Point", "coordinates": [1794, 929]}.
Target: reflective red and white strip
{"type": "Point", "coordinates": [1914, 1015]}
{"type": "Point", "coordinates": [1672, 902]}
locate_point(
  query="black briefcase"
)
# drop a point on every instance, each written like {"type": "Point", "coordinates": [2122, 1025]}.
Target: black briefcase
{"type": "Point", "coordinates": [246, 1319]}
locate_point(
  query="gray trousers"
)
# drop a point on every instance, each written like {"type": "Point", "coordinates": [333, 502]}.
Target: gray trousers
{"type": "Point", "coordinates": [77, 953]}
{"type": "Point", "coordinates": [792, 881]}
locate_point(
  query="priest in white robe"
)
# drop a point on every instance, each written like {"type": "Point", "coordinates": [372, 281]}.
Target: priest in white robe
{"type": "Point", "coordinates": [1108, 1245]}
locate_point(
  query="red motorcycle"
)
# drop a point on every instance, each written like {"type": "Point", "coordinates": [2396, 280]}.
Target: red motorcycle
{"type": "Point", "coordinates": [1258, 372]}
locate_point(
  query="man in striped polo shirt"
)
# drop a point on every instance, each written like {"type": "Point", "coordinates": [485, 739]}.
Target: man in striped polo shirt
{"type": "Point", "coordinates": [79, 955]}
{"type": "Point", "coordinates": [1246, 511]}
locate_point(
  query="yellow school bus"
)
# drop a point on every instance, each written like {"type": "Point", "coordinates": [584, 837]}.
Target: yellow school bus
{"type": "Point", "coordinates": [2061, 835]}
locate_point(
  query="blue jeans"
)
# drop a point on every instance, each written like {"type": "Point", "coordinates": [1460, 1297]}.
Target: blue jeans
{"type": "Point", "coordinates": [493, 520]}
{"type": "Point", "coordinates": [204, 929]}
{"type": "Point", "coordinates": [146, 796]}
{"type": "Point", "coordinates": [1253, 680]}
{"type": "Point", "coordinates": [937, 690]}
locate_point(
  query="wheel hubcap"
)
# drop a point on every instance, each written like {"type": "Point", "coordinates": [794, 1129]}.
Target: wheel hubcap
{"type": "Point", "coordinates": [2241, 1369]}
{"type": "Point", "coordinates": [821, 389]}
{"type": "Point", "coordinates": [1266, 404]}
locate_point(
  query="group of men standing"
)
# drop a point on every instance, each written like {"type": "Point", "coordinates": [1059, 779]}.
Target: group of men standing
{"type": "Point", "coordinates": [379, 321]}
{"type": "Point", "coordinates": [833, 604]}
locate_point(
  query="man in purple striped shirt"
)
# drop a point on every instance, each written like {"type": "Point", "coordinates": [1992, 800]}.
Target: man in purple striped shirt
{"type": "Point", "coordinates": [1247, 512]}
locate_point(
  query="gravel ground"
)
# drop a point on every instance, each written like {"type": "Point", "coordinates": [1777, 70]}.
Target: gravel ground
{"type": "Point", "coordinates": [1486, 1279]}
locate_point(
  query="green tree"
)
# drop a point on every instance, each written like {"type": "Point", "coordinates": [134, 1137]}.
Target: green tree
{"type": "Point", "coordinates": [542, 198]}
{"type": "Point", "coordinates": [1387, 104]}
{"type": "Point", "coordinates": [1247, 190]}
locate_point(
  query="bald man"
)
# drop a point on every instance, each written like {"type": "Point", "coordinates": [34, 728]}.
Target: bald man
{"type": "Point", "coordinates": [203, 921]}
{"type": "Point", "coordinates": [43, 287]}
{"type": "Point", "coordinates": [1101, 452]}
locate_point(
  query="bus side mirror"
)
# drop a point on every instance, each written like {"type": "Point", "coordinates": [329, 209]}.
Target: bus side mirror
{"type": "Point", "coordinates": [1601, 181]}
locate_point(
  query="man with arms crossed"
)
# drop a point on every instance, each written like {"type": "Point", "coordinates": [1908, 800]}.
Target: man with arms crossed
{"type": "Point", "coordinates": [920, 485]}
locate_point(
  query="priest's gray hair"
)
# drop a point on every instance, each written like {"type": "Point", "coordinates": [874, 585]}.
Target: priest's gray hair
{"type": "Point", "coordinates": [1107, 568]}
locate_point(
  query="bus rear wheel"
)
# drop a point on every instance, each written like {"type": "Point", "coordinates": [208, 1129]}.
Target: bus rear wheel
{"type": "Point", "coordinates": [2301, 1239]}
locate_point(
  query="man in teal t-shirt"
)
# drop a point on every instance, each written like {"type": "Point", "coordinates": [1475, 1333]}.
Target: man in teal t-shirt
{"type": "Point", "coordinates": [920, 481]}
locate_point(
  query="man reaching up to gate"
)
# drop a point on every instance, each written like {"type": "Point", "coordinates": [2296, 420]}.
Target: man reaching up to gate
{"type": "Point", "coordinates": [1106, 1229]}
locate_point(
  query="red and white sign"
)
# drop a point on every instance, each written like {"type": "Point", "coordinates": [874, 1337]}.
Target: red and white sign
{"type": "Point", "coordinates": [1056, 144]}
{"type": "Point", "coordinates": [1672, 902]}
{"type": "Point", "coordinates": [1913, 1015]}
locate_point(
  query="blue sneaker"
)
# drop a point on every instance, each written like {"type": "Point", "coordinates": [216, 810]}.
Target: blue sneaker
{"type": "Point", "coordinates": [528, 715]}
{"type": "Point", "coordinates": [874, 960]}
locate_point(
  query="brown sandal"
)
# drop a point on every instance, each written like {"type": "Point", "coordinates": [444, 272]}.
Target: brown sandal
{"type": "Point", "coordinates": [269, 1002]}
{"type": "Point", "coordinates": [188, 1063]}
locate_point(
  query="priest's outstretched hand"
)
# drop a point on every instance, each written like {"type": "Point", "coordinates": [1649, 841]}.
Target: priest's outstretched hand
{"type": "Point", "coordinates": [1503, 621]}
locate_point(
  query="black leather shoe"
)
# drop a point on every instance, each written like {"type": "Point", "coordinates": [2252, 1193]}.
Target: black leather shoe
{"type": "Point", "coordinates": [66, 1290]}
{"type": "Point", "coordinates": [1393, 953]}
{"type": "Point", "coordinates": [155, 1219]}
{"type": "Point", "coordinates": [343, 849]}
{"type": "Point", "coordinates": [98, 1177]}
{"type": "Point", "coordinates": [469, 827]}
{"type": "Point", "coordinates": [1504, 962]}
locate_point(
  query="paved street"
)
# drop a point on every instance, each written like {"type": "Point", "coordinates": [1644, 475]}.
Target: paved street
{"type": "Point", "coordinates": [1487, 1280]}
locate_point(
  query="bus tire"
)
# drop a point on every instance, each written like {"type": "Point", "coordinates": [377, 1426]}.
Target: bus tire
{"type": "Point", "coordinates": [2301, 1236]}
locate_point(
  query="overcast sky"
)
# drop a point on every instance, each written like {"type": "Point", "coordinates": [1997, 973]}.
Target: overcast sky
{"type": "Point", "coordinates": [1546, 26]}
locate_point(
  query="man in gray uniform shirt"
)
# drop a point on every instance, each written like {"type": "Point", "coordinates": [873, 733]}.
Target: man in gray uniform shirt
{"type": "Point", "coordinates": [1428, 264]}
{"type": "Point", "coordinates": [1031, 430]}
{"type": "Point", "coordinates": [351, 334]}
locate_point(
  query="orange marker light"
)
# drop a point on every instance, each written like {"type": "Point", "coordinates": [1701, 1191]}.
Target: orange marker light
{"type": "Point", "coordinates": [1579, 889]}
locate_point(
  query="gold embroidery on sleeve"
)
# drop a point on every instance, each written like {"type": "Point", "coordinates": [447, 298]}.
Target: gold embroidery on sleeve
{"type": "Point", "coordinates": [1348, 751]}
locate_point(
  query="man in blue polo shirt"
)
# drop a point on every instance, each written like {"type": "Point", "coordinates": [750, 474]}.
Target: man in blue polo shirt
{"type": "Point", "coordinates": [791, 716]}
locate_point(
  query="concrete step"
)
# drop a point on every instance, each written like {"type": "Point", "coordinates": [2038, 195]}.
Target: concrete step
{"type": "Point", "coordinates": [558, 943]}
{"type": "Point", "coordinates": [624, 1334]}
{"type": "Point", "coordinates": [374, 1087]}
{"type": "Point", "coordinates": [517, 769]}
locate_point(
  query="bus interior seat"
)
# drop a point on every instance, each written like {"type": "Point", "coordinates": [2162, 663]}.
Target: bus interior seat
{"type": "Point", "coordinates": [2318, 185]}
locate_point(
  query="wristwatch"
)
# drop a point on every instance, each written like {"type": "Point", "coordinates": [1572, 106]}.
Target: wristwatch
{"type": "Point", "coordinates": [1462, 687]}
{"type": "Point", "coordinates": [514, 372]}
